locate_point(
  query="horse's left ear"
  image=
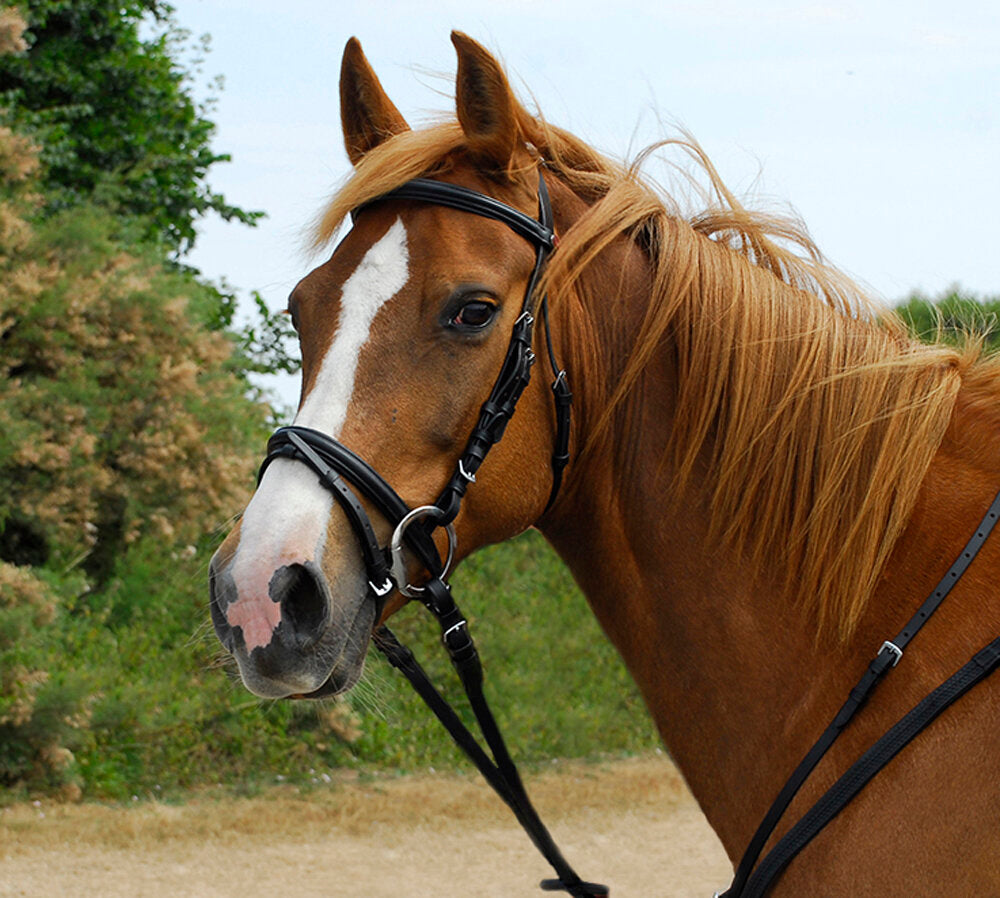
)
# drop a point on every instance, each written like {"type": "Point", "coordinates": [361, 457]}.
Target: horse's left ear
{"type": "Point", "coordinates": [367, 114]}
{"type": "Point", "coordinates": [488, 111]}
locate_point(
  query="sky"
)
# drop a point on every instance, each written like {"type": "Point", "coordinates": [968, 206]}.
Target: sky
{"type": "Point", "coordinates": [879, 123]}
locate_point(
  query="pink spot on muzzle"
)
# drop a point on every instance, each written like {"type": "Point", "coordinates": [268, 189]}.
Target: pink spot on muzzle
{"type": "Point", "coordinates": [258, 617]}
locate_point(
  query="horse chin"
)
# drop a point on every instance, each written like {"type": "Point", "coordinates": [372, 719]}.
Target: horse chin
{"type": "Point", "coordinates": [339, 682]}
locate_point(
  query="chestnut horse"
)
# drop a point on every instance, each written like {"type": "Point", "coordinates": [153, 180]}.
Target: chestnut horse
{"type": "Point", "coordinates": [767, 477]}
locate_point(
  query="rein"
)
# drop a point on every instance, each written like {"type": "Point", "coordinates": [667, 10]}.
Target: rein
{"type": "Point", "coordinates": [753, 880]}
{"type": "Point", "coordinates": [339, 469]}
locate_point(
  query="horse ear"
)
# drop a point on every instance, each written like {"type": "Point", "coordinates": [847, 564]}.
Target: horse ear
{"type": "Point", "coordinates": [488, 111]}
{"type": "Point", "coordinates": [368, 116]}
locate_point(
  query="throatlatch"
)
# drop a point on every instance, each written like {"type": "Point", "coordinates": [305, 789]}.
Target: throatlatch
{"type": "Point", "coordinates": [335, 463]}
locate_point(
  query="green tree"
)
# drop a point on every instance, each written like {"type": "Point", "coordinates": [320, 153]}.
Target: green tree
{"type": "Point", "coordinates": [114, 114]}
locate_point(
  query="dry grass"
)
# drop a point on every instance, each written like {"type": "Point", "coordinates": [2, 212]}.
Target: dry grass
{"type": "Point", "coordinates": [631, 822]}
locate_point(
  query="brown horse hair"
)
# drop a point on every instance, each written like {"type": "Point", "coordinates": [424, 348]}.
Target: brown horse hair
{"type": "Point", "coordinates": [817, 415]}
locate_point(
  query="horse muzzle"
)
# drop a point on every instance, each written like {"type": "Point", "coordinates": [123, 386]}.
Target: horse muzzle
{"type": "Point", "coordinates": [290, 638]}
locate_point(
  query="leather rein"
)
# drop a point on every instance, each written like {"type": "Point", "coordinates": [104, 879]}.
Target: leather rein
{"type": "Point", "coordinates": [753, 879]}
{"type": "Point", "coordinates": [341, 472]}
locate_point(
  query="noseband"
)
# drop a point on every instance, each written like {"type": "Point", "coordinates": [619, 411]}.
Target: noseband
{"type": "Point", "coordinates": [341, 471]}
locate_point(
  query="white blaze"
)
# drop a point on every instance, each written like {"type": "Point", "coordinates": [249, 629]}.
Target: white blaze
{"type": "Point", "coordinates": [380, 276]}
{"type": "Point", "coordinates": [286, 519]}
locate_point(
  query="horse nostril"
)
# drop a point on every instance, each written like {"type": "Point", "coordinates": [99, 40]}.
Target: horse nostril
{"type": "Point", "coordinates": [303, 603]}
{"type": "Point", "coordinates": [217, 585]}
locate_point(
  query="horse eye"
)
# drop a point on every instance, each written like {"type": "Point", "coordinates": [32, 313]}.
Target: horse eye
{"type": "Point", "coordinates": [476, 314]}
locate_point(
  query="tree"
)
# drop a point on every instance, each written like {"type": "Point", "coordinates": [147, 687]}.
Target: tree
{"type": "Point", "coordinates": [124, 418]}
{"type": "Point", "coordinates": [114, 115]}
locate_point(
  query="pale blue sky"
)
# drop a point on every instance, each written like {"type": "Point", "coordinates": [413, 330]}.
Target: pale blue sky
{"type": "Point", "coordinates": [879, 123]}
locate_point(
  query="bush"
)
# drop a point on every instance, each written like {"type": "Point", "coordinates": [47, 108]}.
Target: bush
{"type": "Point", "coordinates": [125, 435]}
{"type": "Point", "coordinates": [953, 315]}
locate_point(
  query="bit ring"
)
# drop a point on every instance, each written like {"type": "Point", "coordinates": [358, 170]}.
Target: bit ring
{"type": "Point", "coordinates": [398, 569]}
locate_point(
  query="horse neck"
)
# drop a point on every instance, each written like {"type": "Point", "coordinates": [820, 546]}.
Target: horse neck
{"type": "Point", "coordinates": [702, 647]}
{"type": "Point", "coordinates": [731, 671]}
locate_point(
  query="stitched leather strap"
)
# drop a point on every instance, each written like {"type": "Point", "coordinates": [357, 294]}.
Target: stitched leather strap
{"type": "Point", "coordinates": [888, 657]}
{"type": "Point", "coordinates": [871, 762]}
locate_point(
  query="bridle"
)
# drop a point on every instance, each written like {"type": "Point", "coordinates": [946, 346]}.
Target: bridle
{"type": "Point", "coordinates": [334, 462]}
{"type": "Point", "coordinates": [341, 471]}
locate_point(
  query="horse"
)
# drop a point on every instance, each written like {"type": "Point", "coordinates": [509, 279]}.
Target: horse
{"type": "Point", "coordinates": [766, 474]}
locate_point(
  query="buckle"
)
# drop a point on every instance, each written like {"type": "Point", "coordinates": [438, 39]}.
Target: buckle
{"type": "Point", "coordinates": [382, 590]}
{"type": "Point", "coordinates": [452, 629]}
{"type": "Point", "coordinates": [895, 649]}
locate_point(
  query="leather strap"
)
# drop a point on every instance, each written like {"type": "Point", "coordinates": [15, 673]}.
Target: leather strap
{"type": "Point", "coordinates": [563, 401]}
{"type": "Point", "coordinates": [984, 663]}
{"type": "Point", "coordinates": [888, 657]}
{"type": "Point", "coordinates": [441, 193]}
{"type": "Point", "coordinates": [497, 767]}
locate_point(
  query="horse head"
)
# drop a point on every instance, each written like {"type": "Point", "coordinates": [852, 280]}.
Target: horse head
{"type": "Point", "coordinates": [402, 332]}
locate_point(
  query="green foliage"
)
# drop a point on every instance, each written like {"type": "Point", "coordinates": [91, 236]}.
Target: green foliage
{"type": "Point", "coordinates": [125, 435]}
{"type": "Point", "coordinates": [267, 345]}
{"type": "Point", "coordinates": [161, 716]}
{"type": "Point", "coordinates": [114, 115]}
{"type": "Point", "coordinates": [41, 715]}
{"type": "Point", "coordinates": [952, 317]}
{"type": "Point", "coordinates": [120, 413]}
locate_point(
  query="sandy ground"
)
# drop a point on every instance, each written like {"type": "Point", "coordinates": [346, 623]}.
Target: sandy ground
{"type": "Point", "coordinates": [631, 824]}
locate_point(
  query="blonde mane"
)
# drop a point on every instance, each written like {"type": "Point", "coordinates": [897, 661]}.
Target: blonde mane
{"type": "Point", "coordinates": [814, 414]}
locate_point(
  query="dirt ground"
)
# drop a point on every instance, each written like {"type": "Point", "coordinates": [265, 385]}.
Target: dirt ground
{"type": "Point", "coordinates": [631, 824]}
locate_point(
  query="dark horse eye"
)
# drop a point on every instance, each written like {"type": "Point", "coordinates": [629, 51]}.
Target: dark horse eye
{"type": "Point", "coordinates": [475, 314]}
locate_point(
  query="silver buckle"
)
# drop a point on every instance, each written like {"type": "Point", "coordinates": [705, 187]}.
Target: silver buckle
{"type": "Point", "coordinates": [382, 590]}
{"type": "Point", "coordinates": [398, 568]}
{"type": "Point", "coordinates": [461, 470]}
{"type": "Point", "coordinates": [895, 649]}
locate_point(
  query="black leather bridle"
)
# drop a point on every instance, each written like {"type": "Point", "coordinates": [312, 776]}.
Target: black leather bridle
{"type": "Point", "coordinates": [341, 471]}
